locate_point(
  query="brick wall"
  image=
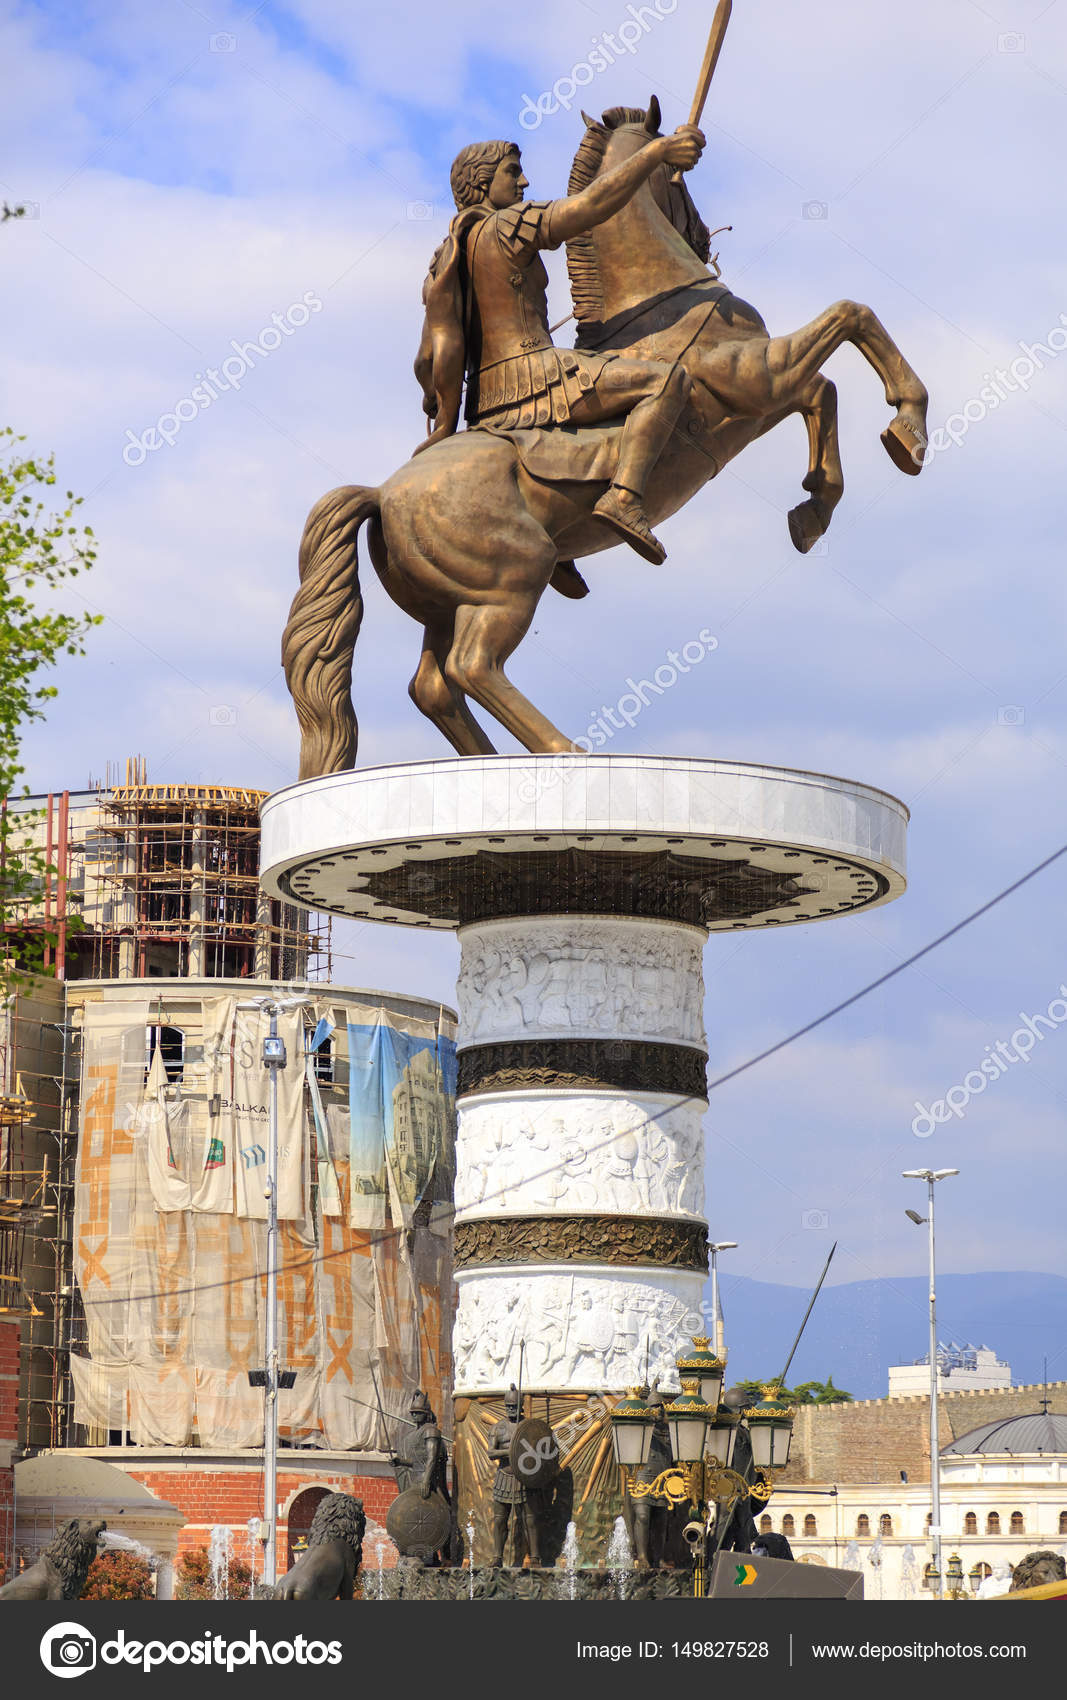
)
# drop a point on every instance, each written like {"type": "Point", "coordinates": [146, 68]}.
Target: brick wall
{"type": "Point", "coordinates": [9, 1422]}
{"type": "Point", "coordinates": [231, 1493]}
{"type": "Point", "coordinates": [872, 1440]}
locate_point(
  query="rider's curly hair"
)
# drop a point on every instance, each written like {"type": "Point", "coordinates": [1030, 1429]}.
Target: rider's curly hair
{"type": "Point", "coordinates": [473, 170]}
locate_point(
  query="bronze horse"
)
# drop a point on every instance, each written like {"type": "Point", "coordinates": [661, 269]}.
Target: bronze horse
{"type": "Point", "coordinates": [465, 539]}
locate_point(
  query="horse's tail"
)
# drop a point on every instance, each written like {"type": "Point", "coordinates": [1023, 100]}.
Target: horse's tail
{"type": "Point", "coordinates": [322, 629]}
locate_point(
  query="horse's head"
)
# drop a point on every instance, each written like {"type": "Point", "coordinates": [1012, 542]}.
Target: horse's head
{"type": "Point", "coordinates": [638, 251]}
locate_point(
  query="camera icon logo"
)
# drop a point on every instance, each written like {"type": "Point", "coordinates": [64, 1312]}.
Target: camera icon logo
{"type": "Point", "coordinates": [1011, 42]}
{"type": "Point", "coordinates": [420, 209]}
{"type": "Point", "coordinates": [223, 43]}
{"type": "Point", "coordinates": [222, 715]}
{"type": "Point", "coordinates": [67, 1649]}
{"type": "Point", "coordinates": [817, 210]}
{"type": "Point", "coordinates": [817, 1219]}
{"type": "Point", "coordinates": [1011, 714]}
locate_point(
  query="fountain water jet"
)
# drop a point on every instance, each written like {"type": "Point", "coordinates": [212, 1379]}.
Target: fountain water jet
{"type": "Point", "coordinates": [220, 1551]}
{"type": "Point", "coordinates": [620, 1558]}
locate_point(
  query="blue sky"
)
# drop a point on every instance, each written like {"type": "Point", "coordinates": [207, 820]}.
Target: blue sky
{"type": "Point", "coordinates": [195, 169]}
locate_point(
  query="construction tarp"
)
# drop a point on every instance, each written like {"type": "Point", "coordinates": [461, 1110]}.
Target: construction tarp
{"type": "Point", "coordinates": [174, 1291]}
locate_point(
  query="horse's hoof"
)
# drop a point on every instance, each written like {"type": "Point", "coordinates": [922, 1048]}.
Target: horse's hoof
{"type": "Point", "coordinates": [805, 526]}
{"type": "Point", "coordinates": [905, 444]}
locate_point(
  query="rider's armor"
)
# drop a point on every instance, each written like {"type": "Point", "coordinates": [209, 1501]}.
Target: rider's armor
{"type": "Point", "coordinates": [515, 377]}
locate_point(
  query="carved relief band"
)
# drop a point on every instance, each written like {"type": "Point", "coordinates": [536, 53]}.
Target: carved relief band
{"type": "Point", "coordinates": [585, 1326]}
{"type": "Point", "coordinates": [568, 1152]}
{"type": "Point", "coordinates": [621, 1241]}
{"type": "Point", "coordinates": [575, 976]}
{"type": "Point", "coordinates": [583, 1065]}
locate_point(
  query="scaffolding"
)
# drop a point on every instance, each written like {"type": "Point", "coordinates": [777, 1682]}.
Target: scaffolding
{"type": "Point", "coordinates": [142, 882]}
{"type": "Point", "coordinates": [148, 881]}
{"type": "Point", "coordinates": [38, 1071]}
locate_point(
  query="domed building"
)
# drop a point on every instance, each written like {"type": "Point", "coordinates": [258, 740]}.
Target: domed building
{"type": "Point", "coordinates": [1003, 1494]}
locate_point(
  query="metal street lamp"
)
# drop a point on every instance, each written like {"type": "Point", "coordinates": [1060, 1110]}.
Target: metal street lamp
{"type": "Point", "coordinates": [631, 1431]}
{"type": "Point", "coordinates": [273, 1058]}
{"type": "Point", "coordinates": [931, 1177]}
{"type": "Point", "coordinates": [717, 1330]}
{"type": "Point", "coordinates": [707, 1367]}
{"type": "Point", "coordinates": [770, 1426]}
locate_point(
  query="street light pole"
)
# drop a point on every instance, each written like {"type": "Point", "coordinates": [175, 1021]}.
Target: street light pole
{"type": "Point", "coordinates": [274, 1058]}
{"type": "Point", "coordinates": [931, 1176]}
{"type": "Point", "coordinates": [718, 1332]}
{"type": "Point", "coordinates": [274, 1061]}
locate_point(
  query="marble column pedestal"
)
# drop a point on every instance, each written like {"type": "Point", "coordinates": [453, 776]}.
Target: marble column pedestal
{"type": "Point", "coordinates": [583, 890]}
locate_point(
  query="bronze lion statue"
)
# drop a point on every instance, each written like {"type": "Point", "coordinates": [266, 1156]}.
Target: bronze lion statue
{"type": "Point", "coordinates": [327, 1571]}
{"type": "Point", "coordinates": [60, 1572]}
{"type": "Point", "coordinates": [1037, 1568]}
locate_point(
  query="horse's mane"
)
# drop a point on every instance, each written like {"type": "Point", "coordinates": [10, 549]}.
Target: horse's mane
{"type": "Point", "coordinates": [583, 268]}
{"type": "Point", "coordinates": [587, 294]}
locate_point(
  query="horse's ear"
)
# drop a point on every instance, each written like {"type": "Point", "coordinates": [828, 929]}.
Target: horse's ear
{"type": "Point", "coordinates": [589, 122]}
{"type": "Point", "coordinates": [653, 117]}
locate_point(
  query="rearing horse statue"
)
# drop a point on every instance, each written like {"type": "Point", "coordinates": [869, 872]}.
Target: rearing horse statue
{"type": "Point", "coordinates": [467, 536]}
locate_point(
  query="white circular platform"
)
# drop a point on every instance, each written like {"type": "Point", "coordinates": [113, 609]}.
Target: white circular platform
{"type": "Point", "coordinates": [328, 843]}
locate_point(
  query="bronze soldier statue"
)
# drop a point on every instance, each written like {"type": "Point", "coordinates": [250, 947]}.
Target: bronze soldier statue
{"type": "Point", "coordinates": [494, 325]}
{"type": "Point", "coordinates": [420, 1518]}
{"type": "Point", "coordinates": [651, 1513]}
{"type": "Point", "coordinates": [421, 1461]}
{"type": "Point", "coordinates": [508, 1491]}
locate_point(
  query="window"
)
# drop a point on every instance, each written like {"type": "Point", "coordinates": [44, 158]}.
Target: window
{"type": "Point", "coordinates": [810, 1525]}
{"type": "Point", "coordinates": [171, 1043]}
{"type": "Point", "coordinates": [1018, 1527]}
{"type": "Point", "coordinates": [765, 1524]}
{"type": "Point", "coordinates": [992, 1523]}
{"type": "Point", "coordinates": [885, 1524]}
{"type": "Point", "coordinates": [929, 1520]}
{"type": "Point", "coordinates": [863, 1524]}
{"type": "Point", "coordinates": [323, 1057]}
{"type": "Point", "coordinates": [970, 1524]}
{"type": "Point", "coordinates": [788, 1524]}
{"type": "Point", "coordinates": [1063, 1522]}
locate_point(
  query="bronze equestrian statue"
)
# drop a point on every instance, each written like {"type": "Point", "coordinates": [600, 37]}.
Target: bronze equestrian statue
{"type": "Point", "coordinates": [566, 451]}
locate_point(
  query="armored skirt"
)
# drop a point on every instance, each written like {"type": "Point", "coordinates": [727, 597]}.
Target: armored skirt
{"type": "Point", "coordinates": [539, 388]}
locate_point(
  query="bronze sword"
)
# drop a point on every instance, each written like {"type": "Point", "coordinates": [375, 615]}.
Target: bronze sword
{"type": "Point", "coordinates": [720, 25]}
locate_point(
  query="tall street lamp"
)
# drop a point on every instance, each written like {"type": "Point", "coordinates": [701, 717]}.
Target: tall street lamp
{"type": "Point", "coordinates": [931, 1177]}
{"type": "Point", "coordinates": [271, 1377]}
{"type": "Point", "coordinates": [717, 1332]}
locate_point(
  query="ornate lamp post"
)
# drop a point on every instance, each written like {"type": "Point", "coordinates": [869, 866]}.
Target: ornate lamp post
{"type": "Point", "coordinates": [954, 1578]}
{"type": "Point", "coordinates": [703, 1436]}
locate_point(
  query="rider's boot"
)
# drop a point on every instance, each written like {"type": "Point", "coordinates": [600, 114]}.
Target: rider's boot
{"type": "Point", "coordinates": [622, 509]}
{"type": "Point", "coordinates": [644, 437]}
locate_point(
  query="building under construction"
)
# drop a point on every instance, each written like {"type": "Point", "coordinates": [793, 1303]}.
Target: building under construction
{"type": "Point", "coordinates": [131, 1199]}
{"type": "Point", "coordinates": [142, 882]}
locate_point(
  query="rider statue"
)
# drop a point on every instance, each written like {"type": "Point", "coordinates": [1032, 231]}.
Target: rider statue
{"type": "Point", "coordinates": [487, 321]}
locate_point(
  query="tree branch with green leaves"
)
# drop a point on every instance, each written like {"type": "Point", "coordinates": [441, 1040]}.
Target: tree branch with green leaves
{"type": "Point", "coordinates": [41, 549]}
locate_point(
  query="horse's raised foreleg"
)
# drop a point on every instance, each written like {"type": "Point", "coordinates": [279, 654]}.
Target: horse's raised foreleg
{"type": "Point", "coordinates": [825, 479]}
{"type": "Point", "coordinates": [443, 702]}
{"type": "Point", "coordinates": [756, 376]}
{"type": "Point", "coordinates": [485, 637]}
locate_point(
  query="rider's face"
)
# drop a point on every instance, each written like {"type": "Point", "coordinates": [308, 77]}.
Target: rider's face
{"type": "Point", "coordinates": [508, 182]}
